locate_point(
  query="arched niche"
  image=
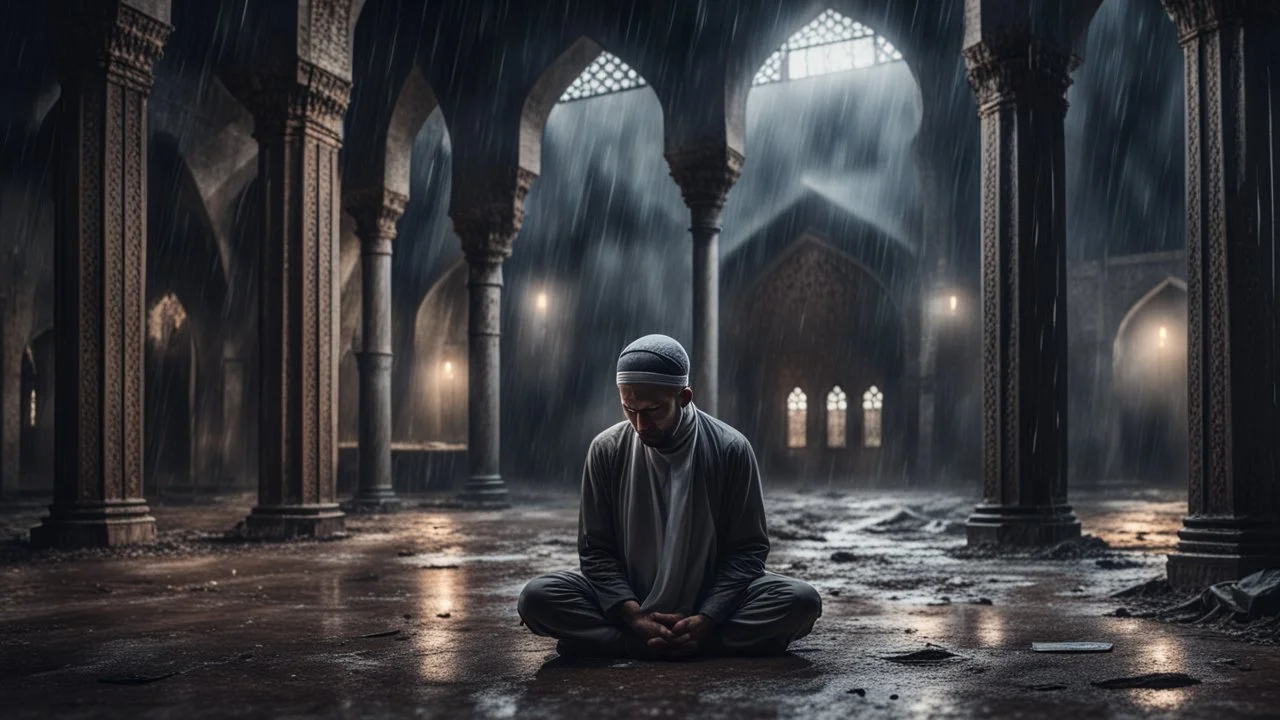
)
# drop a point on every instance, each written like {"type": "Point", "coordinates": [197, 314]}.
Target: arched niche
{"type": "Point", "coordinates": [439, 381]}
{"type": "Point", "coordinates": [817, 319]}
{"type": "Point", "coordinates": [1149, 386]}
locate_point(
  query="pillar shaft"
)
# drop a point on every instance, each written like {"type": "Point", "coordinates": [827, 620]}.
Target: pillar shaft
{"type": "Point", "coordinates": [298, 119]}
{"type": "Point", "coordinates": [376, 213]}
{"type": "Point", "coordinates": [100, 271]}
{"type": "Point", "coordinates": [1021, 84]}
{"type": "Point", "coordinates": [705, 178]}
{"type": "Point", "coordinates": [1233, 96]}
{"type": "Point", "coordinates": [487, 232]}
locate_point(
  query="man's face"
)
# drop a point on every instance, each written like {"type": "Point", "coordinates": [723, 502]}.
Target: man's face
{"type": "Point", "coordinates": [653, 410]}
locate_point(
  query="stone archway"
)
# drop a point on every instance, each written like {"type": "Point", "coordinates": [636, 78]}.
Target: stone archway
{"type": "Point", "coordinates": [1150, 386]}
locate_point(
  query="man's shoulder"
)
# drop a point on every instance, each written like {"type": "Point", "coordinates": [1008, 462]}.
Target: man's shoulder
{"type": "Point", "coordinates": [729, 438]}
{"type": "Point", "coordinates": [609, 439]}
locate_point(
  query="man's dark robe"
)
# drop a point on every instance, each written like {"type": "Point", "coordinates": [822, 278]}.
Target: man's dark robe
{"type": "Point", "coordinates": [679, 529]}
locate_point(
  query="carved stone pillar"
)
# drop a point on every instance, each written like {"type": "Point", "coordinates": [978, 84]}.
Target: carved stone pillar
{"type": "Point", "coordinates": [376, 213]}
{"type": "Point", "coordinates": [705, 178]}
{"type": "Point", "coordinates": [298, 125]}
{"type": "Point", "coordinates": [100, 270]}
{"type": "Point", "coordinates": [487, 232]}
{"type": "Point", "coordinates": [1233, 97]}
{"type": "Point", "coordinates": [1021, 84]}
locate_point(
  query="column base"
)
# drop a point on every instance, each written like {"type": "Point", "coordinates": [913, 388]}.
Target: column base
{"type": "Point", "coordinates": [96, 525]}
{"type": "Point", "coordinates": [1214, 550]}
{"type": "Point", "coordinates": [486, 491]}
{"type": "Point", "coordinates": [375, 500]}
{"type": "Point", "coordinates": [284, 522]}
{"type": "Point", "coordinates": [1021, 525]}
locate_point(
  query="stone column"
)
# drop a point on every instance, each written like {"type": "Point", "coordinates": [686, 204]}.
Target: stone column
{"type": "Point", "coordinates": [487, 232]}
{"type": "Point", "coordinates": [100, 240]}
{"type": "Point", "coordinates": [705, 178]}
{"type": "Point", "coordinates": [375, 213]}
{"type": "Point", "coordinates": [935, 245]}
{"type": "Point", "coordinates": [1233, 97]}
{"type": "Point", "coordinates": [1021, 84]}
{"type": "Point", "coordinates": [298, 125]}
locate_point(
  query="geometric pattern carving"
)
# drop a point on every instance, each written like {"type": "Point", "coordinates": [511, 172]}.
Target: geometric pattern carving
{"type": "Point", "coordinates": [106, 51]}
{"type": "Point", "coordinates": [829, 43]}
{"type": "Point", "coordinates": [606, 74]}
{"type": "Point", "coordinates": [1020, 82]}
{"type": "Point", "coordinates": [1233, 525]}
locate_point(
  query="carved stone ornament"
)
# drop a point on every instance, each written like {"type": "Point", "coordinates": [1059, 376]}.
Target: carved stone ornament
{"type": "Point", "coordinates": [1198, 17]}
{"type": "Point", "coordinates": [488, 228]}
{"type": "Point", "coordinates": [376, 212]}
{"type": "Point", "coordinates": [1013, 66]}
{"type": "Point", "coordinates": [125, 42]}
{"type": "Point", "coordinates": [705, 175]}
{"type": "Point", "coordinates": [309, 96]}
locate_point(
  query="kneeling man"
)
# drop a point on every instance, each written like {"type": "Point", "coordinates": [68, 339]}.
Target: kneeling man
{"type": "Point", "coordinates": [671, 534]}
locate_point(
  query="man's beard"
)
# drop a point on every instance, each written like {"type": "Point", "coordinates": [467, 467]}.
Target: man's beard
{"type": "Point", "coordinates": [666, 437]}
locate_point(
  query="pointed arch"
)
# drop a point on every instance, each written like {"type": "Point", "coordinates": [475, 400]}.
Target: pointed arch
{"type": "Point", "coordinates": [830, 42]}
{"type": "Point", "coordinates": [797, 418]}
{"type": "Point", "coordinates": [837, 418]}
{"type": "Point", "coordinates": [1169, 284]}
{"type": "Point", "coordinates": [577, 64]}
{"type": "Point", "coordinates": [872, 417]}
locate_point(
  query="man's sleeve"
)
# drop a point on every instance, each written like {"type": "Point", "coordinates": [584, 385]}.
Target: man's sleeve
{"type": "Point", "coordinates": [747, 538]}
{"type": "Point", "coordinates": [597, 539]}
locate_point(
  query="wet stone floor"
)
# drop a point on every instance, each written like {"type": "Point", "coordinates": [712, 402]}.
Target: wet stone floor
{"type": "Point", "coordinates": [413, 615]}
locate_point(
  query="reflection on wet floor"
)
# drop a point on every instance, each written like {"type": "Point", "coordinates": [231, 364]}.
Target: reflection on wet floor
{"type": "Point", "coordinates": [415, 614]}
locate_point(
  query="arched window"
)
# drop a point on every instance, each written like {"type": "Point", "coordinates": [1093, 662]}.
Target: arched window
{"type": "Point", "coordinates": [606, 74]}
{"type": "Point", "coordinates": [830, 43]}
{"type": "Point", "coordinates": [837, 410]}
{"type": "Point", "coordinates": [797, 412]}
{"type": "Point", "coordinates": [872, 402]}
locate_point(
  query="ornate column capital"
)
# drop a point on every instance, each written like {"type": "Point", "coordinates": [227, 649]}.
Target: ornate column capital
{"type": "Point", "coordinates": [376, 212]}
{"type": "Point", "coordinates": [301, 95]}
{"type": "Point", "coordinates": [1013, 66]}
{"type": "Point", "coordinates": [1198, 17]}
{"type": "Point", "coordinates": [122, 40]}
{"type": "Point", "coordinates": [705, 175]}
{"type": "Point", "coordinates": [488, 226]}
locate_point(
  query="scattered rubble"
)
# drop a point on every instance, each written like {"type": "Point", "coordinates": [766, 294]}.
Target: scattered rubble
{"type": "Point", "coordinates": [931, 655]}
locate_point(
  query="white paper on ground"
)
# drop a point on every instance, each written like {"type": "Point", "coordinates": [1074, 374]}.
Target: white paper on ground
{"type": "Point", "coordinates": [1071, 647]}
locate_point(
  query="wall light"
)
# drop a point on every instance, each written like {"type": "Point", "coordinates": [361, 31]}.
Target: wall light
{"type": "Point", "coordinates": [541, 302]}
{"type": "Point", "coordinates": [955, 302]}
{"type": "Point", "coordinates": [1164, 336]}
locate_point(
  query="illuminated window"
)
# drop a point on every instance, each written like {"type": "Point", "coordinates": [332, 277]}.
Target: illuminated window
{"type": "Point", "coordinates": [872, 403]}
{"type": "Point", "coordinates": [830, 43]}
{"type": "Point", "coordinates": [797, 412]}
{"type": "Point", "coordinates": [837, 410]}
{"type": "Point", "coordinates": [31, 409]}
{"type": "Point", "coordinates": [166, 319]}
{"type": "Point", "coordinates": [606, 74]}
